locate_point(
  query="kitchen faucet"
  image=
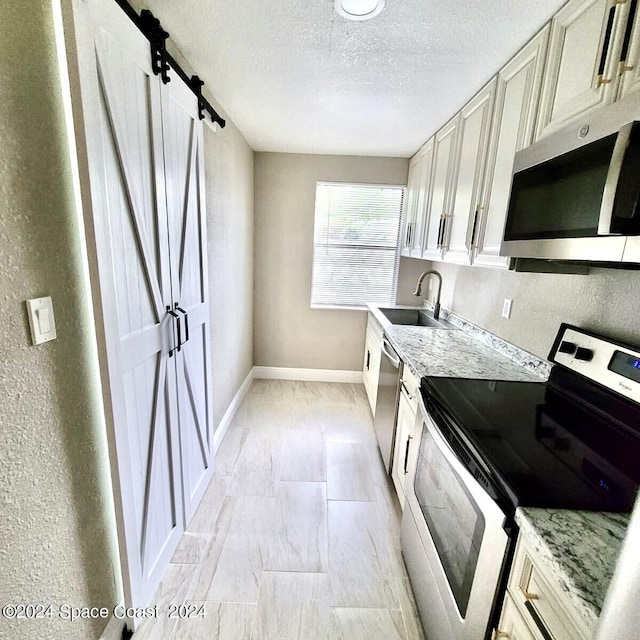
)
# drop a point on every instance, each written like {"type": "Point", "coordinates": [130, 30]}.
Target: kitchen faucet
{"type": "Point", "coordinates": [418, 291]}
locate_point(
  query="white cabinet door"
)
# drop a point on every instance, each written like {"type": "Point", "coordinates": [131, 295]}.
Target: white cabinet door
{"type": "Point", "coordinates": [441, 194]}
{"type": "Point", "coordinates": [183, 144]}
{"type": "Point", "coordinates": [517, 96]}
{"type": "Point", "coordinates": [474, 126]}
{"type": "Point", "coordinates": [122, 116]}
{"type": "Point", "coordinates": [425, 164]}
{"type": "Point", "coordinates": [371, 366]}
{"type": "Point", "coordinates": [629, 66]}
{"type": "Point", "coordinates": [410, 212]}
{"type": "Point", "coordinates": [417, 187]}
{"type": "Point", "coordinates": [584, 48]}
{"type": "Point", "coordinates": [404, 435]}
{"type": "Point", "coordinates": [512, 625]}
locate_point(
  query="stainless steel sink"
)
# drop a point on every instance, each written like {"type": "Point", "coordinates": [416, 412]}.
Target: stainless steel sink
{"type": "Point", "coordinates": [413, 317]}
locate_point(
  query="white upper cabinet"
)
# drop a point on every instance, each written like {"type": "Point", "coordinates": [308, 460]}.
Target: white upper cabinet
{"type": "Point", "coordinates": [588, 56]}
{"type": "Point", "coordinates": [426, 165]}
{"type": "Point", "coordinates": [411, 202]}
{"type": "Point", "coordinates": [440, 198]}
{"type": "Point", "coordinates": [417, 187]}
{"type": "Point", "coordinates": [517, 96]}
{"type": "Point", "coordinates": [583, 62]}
{"type": "Point", "coordinates": [629, 66]}
{"type": "Point", "coordinates": [474, 126]}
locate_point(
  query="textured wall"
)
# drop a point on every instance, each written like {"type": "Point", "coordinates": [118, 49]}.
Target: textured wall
{"type": "Point", "coordinates": [57, 537]}
{"type": "Point", "coordinates": [229, 177]}
{"type": "Point", "coordinates": [605, 301]}
{"type": "Point", "coordinates": [287, 332]}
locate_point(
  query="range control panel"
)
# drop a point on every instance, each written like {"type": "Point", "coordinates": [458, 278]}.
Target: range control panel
{"type": "Point", "coordinates": [615, 366]}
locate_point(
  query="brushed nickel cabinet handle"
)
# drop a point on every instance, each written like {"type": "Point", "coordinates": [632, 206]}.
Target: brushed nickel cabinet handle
{"type": "Point", "coordinates": [531, 596]}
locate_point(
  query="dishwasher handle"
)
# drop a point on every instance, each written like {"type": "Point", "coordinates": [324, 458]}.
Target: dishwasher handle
{"type": "Point", "coordinates": [395, 359]}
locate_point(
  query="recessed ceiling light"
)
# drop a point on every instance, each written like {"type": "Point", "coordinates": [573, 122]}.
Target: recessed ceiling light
{"type": "Point", "coordinates": [358, 9]}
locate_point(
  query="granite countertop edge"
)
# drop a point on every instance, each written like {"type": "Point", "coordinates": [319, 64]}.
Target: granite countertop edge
{"type": "Point", "coordinates": [562, 539]}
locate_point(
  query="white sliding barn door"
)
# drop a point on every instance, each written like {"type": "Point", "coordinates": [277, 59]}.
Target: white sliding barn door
{"type": "Point", "coordinates": [146, 229]}
{"type": "Point", "coordinates": [184, 169]}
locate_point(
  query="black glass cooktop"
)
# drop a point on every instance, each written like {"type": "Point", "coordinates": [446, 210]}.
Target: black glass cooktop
{"type": "Point", "coordinates": [563, 444]}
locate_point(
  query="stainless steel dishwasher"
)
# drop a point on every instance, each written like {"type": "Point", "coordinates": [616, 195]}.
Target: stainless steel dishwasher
{"type": "Point", "coordinates": [387, 400]}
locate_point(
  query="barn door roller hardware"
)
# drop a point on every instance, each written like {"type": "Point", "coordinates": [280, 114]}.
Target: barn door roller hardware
{"type": "Point", "coordinates": [196, 86]}
{"type": "Point", "coordinates": [162, 60]}
{"type": "Point", "coordinates": [157, 37]}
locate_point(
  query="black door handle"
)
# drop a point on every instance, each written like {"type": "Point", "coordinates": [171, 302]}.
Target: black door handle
{"type": "Point", "coordinates": [179, 345]}
{"type": "Point", "coordinates": [186, 323]}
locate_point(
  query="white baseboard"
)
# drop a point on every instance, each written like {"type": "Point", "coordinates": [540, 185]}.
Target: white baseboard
{"type": "Point", "coordinates": [307, 375]}
{"type": "Point", "coordinates": [231, 411]}
{"type": "Point", "coordinates": [279, 373]}
{"type": "Point", "coordinates": [113, 630]}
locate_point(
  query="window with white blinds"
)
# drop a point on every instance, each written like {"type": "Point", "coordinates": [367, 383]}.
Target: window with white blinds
{"type": "Point", "coordinates": [356, 248]}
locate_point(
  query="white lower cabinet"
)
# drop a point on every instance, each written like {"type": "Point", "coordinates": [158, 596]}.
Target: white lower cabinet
{"type": "Point", "coordinates": [405, 427]}
{"type": "Point", "coordinates": [512, 625]}
{"type": "Point", "coordinates": [371, 362]}
{"type": "Point", "coordinates": [535, 606]}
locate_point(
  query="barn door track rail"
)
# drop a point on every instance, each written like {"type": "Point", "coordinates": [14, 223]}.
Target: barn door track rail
{"type": "Point", "coordinates": [162, 60]}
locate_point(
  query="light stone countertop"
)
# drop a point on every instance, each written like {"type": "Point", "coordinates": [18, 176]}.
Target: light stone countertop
{"type": "Point", "coordinates": [449, 353]}
{"type": "Point", "coordinates": [579, 550]}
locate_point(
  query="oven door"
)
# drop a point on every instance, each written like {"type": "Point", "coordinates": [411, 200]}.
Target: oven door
{"type": "Point", "coordinates": [453, 541]}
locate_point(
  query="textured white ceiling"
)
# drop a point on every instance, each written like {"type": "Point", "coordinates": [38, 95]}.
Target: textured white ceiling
{"type": "Point", "coordinates": [296, 77]}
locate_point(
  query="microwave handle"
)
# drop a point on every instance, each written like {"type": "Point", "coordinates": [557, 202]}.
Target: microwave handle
{"type": "Point", "coordinates": [613, 176]}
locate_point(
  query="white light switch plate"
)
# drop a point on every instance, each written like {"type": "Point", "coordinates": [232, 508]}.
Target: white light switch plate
{"type": "Point", "coordinates": [41, 320]}
{"type": "Point", "coordinates": [506, 308]}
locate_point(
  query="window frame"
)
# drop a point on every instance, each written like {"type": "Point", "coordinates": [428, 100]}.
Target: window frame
{"type": "Point", "coordinates": [355, 246]}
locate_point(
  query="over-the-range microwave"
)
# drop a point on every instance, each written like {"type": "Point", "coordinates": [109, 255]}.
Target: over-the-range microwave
{"type": "Point", "coordinates": [575, 194]}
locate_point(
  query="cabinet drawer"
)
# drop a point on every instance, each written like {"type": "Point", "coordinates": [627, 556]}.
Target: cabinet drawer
{"type": "Point", "coordinates": [405, 446]}
{"type": "Point", "coordinates": [512, 625]}
{"type": "Point", "coordinates": [541, 603]}
{"type": "Point", "coordinates": [411, 384]}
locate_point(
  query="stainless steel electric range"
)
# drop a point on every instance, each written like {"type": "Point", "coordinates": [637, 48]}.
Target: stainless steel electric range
{"type": "Point", "coordinates": [489, 446]}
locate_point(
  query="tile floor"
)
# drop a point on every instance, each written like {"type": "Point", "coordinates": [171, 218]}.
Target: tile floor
{"type": "Point", "coordinates": [298, 534]}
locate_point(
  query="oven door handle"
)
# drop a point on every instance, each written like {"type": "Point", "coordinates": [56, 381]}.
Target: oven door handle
{"type": "Point", "coordinates": [489, 507]}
